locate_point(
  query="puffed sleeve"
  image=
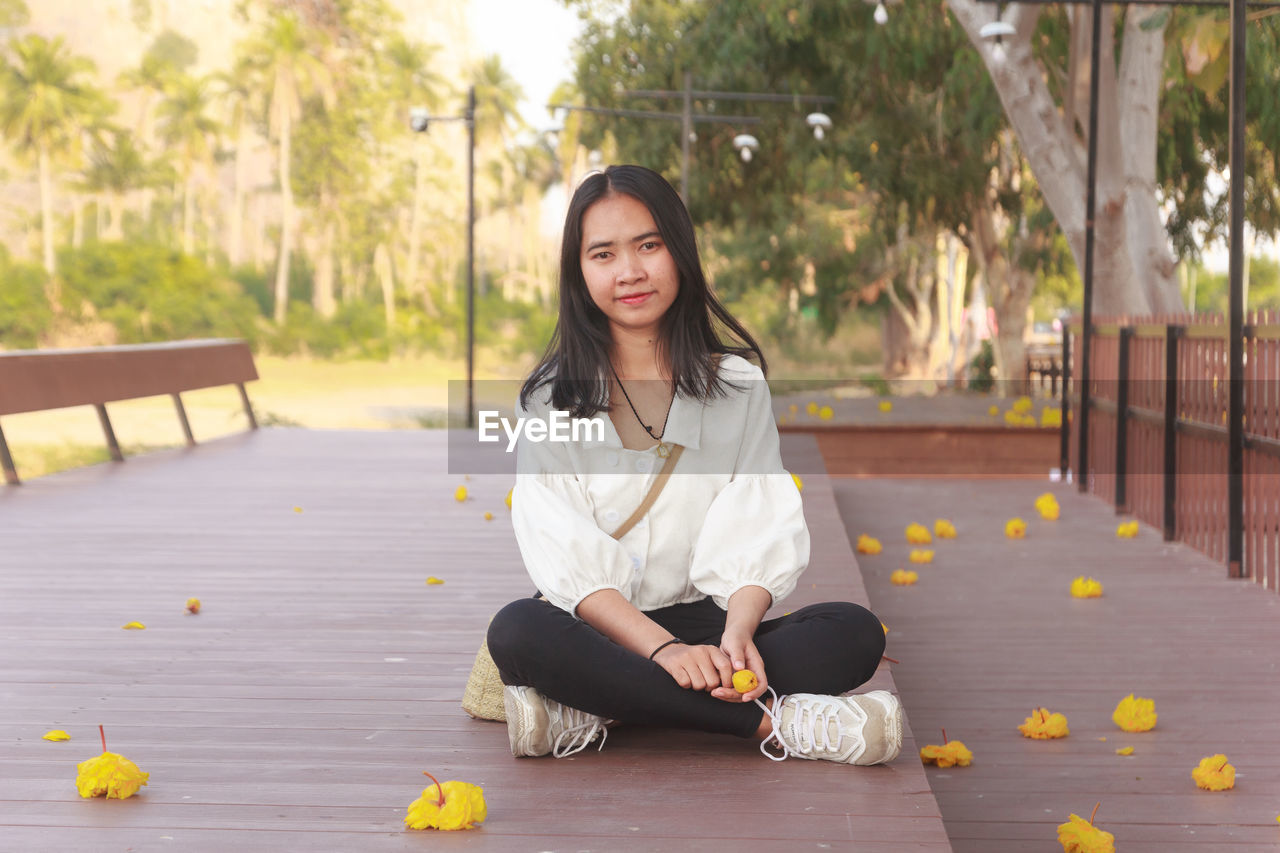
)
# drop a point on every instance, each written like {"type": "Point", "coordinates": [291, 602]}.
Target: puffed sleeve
{"type": "Point", "coordinates": [754, 533]}
{"type": "Point", "coordinates": [565, 552]}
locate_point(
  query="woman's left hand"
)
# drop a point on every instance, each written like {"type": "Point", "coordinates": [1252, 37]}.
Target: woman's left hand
{"type": "Point", "coordinates": [741, 650]}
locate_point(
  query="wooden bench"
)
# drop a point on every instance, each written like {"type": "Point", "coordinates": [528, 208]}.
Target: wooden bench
{"type": "Point", "coordinates": [38, 380]}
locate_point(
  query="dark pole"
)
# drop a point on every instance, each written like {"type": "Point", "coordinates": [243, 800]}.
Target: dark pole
{"type": "Point", "coordinates": [1235, 338]}
{"type": "Point", "coordinates": [471, 254]}
{"type": "Point", "coordinates": [686, 130]}
{"type": "Point", "coordinates": [1091, 199]}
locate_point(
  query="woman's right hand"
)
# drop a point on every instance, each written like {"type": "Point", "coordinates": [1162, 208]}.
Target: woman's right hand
{"type": "Point", "coordinates": [696, 667]}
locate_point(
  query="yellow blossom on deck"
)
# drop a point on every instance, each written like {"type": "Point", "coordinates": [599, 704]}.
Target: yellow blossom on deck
{"type": "Point", "coordinates": [944, 529]}
{"type": "Point", "coordinates": [453, 805]}
{"type": "Point", "coordinates": [993, 411]}
{"type": "Point", "coordinates": [1015, 528]}
{"type": "Point", "coordinates": [918, 534]}
{"type": "Point", "coordinates": [1022, 405]}
{"type": "Point", "coordinates": [109, 775]}
{"type": "Point", "coordinates": [885, 627]}
{"type": "Point", "coordinates": [1214, 773]}
{"type": "Point", "coordinates": [1127, 529]}
{"type": "Point", "coordinates": [920, 555]}
{"type": "Point", "coordinates": [134, 626]}
{"type": "Point", "coordinates": [1083, 587]}
{"type": "Point", "coordinates": [460, 494]}
{"type": "Point", "coordinates": [1051, 417]}
{"type": "Point", "coordinates": [1135, 714]}
{"type": "Point", "coordinates": [510, 491]}
{"type": "Point", "coordinates": [951, 754]}
{"type": "Point", "coordinates": [488, 516]}
{"type": "Point", "coordinates": [903, 577]}
{"type": "Point", "coordinates": [1078, 835]}
{"type": "Point", "coordinates": [1125, 750]}
{"type": "Point", "coordinates": [799, 483]}
{"type": "Point", "coordinates": [434, 581]}
{"type": "Point", "coordinates": [1043, 724]}
{"type": "Point", "coordinates": [869, 545]}
{"type": "Point", "coordinates": [193, 606]}
{"type": "Point", "coordinates": [1047, 506]}
{"type": "Point", "coordinates": [56, 734]}
{"type": "Point", "coordinates": [826, 413]}
{"type": "Point", "coordinates": [811, 408]}
{"type": "Point", "coordinates": [886, 406]}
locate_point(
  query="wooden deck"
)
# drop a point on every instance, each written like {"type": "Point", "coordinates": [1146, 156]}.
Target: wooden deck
{"type": "Point", "coordinates": [298, 709]}
{"type": "Point", "coordinates": [990, 632]}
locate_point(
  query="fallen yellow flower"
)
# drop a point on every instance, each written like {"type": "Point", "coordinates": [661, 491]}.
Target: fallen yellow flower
{"type": "Point", "coordinates": [920, 555]}
{"type": "Point", "coordinates": [918, 534]}
{"type": "Point", "coordinates": [744, 681]}
{"type": "Point", "coordinates": [193, 605]}
{"type": "Point", "coordinates": [885, 627]}
{"type": "Point", "coordinates": [460, 494]}
{"type": "Point", "coordinates": [944, 529]}
{"type": "Point", "coordinates": [510, 491]}
{"type": "Point", "coordinates": [488, 516]}
{"type": "Point", "coordinates": [1127, 529]}
{"type": "Point", "coordinates": [1043, 724]}
{"type": "Point", "coordinates": [297, 509]}
{"type": "Point", "coordinates": [793, 409]}
{"type": "Point", "coordinates": [1214, 773]}
{"type": "Point", "coordinates": [109, 775]}
{"type": "Point", "coordinates": [1078, 835]}
{"type": "Point", "coordinates": [1047, 506]}
{"type": "Point", "coordinates": [1051, 417]}
{"type": "Point", "coordinates": [869, 545]}
{"type": "Point", "coordinates": [826, 413]}
{"type": "Point", "coordinates": [1135, 714]}
{"type": "Point", "coordinates": [902, 577]}
{"type": "Point", "coordinates": [1125, 750]}
{"type": "Point", "coordinates": [812, 408]}
{"type": "Point", "coordinates": [886, 406]}
{"type": "Point", "coordinates": [951, 754]}
{"type": "Point", "coordinates": [134, 626]}
{"type": "Point", "coordinates": [1022, 405]}
{"type": "Point", "coordinates": [434, 581]}
{"type": "Point", "coordinates": [993, 411]}
{"type": "Point", "coordinates": [1083, 587]}
{"type": "Point", "coordinates": [56, 735]}
{"type": "Point", "coordinates": [1015, 528]}
{"type": "Point", "coordinates": [453, 805]}
{"type": "Point", "coordinates": [799, 483]}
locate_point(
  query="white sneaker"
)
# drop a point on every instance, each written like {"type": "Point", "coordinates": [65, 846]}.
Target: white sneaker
{"type": "Point", "coordinates": [862, 729]}
{"type": "Point", "coordinates": [537, 725]}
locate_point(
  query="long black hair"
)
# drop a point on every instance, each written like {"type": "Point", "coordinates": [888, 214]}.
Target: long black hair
{"type": "Point", "coordinates": [576, 361]}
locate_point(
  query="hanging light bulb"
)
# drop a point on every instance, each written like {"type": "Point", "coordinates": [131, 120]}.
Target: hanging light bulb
{"type": "Point", "coordinates": [997, 30]}
{"type": "Point", "coordinates": [745, 143]}
{"type": "Point", "coordinates": [819, 122]}
{"type": "Point", "coordinates": [882, 14]}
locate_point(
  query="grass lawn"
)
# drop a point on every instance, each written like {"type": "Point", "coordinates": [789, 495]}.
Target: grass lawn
{"type": "Point", "coordinates": [401, 394]}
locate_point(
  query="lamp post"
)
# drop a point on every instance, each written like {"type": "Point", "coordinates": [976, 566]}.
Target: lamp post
{"type": "Point", "coordinates": [688, 118]}
{"type": "Point", "coordinates": [420, 120]}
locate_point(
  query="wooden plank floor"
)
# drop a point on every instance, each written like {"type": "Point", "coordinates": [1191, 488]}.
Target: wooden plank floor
{"type": "Point", "coordinates": [990, 632]}
{"type": "Point", "coordinates": [298, 709]}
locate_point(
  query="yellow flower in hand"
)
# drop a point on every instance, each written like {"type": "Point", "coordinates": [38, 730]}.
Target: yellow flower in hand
{"type": "Point", "coordinates": [1015, 528]}
{"type": "Point", "coordinates": [869, 545]}
{"type": "Point", "coordinates": [453, 805]}
{"type": "Point", "coordinates": [944, 529]}
{"type": "Point", "coordinates": [1135, 714]}
{"type": "Point", "coordinates": [1214, 773]}
{"type": "Point", "coordinates": [920, 555]}
{"type": "Point", "coordinates": [1083, 587]}
{"type": "Point", "coordinates": [918, 534]}
{"type": "Point", "coordinates": [901, 577]}
{"type": "Point", "coordinates": [1043, 724]}
{"type": "Point", "coordinates": [744, 681]}
{"type": "Point", "coordinates": [1078, 835]}
{"type": "Point", "coordinates": [109, 775]}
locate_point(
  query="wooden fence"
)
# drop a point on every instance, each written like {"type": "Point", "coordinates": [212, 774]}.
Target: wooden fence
{"type": "Point", "coordinates": [1157, 441]}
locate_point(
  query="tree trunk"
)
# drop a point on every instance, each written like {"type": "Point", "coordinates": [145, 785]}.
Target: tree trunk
{"type": "Point", "coordinates": [415, 221]}
{"type": "Point", "coordinates": [188, 215]}
{"type": "Point", "coordinates": [286, 223]}
{"type": "Point", "coordinates": [322, 296]}
{"type": "Point", "coordinates": [46, 212]}
{"type": "Point", "coordinates": [77, 221]}
{"type": "Point", "coordinates": [386, 280]}
{"type": "Point", "coordinates": [235, 250]}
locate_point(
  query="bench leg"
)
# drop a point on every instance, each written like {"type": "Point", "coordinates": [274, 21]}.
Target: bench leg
{"type": "Point", "coordinates": [182, 419]}
{"type": "Point", "coordinates": [6, 461]}
{"type": "Point", "coordinates": [248, 409]}
{"type": "Point", "coordinates": [112, 444]}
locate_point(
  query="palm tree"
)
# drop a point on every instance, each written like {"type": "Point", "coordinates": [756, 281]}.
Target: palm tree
{"type": "Point", "coordinates": [187, 129]}
{"type": "Point", "coordinates": [116, 167]}
{"type": "Point", "coordinates": [44, 104]}
{"type": "Point", "coordinates": [237, 96]}
{"type": "Point", "coordinates": [285, 57]}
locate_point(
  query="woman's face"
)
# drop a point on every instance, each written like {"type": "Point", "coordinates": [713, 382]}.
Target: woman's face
{"type": "Point", "coordinates": [629, 272]}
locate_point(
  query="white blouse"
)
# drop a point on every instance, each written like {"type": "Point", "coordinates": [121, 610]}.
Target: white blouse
{"type": "Point", "coordinates": [730, 516]}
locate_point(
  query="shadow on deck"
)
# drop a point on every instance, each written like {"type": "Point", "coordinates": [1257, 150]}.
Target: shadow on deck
{"type": "Point", "coordinates": [298, 709]}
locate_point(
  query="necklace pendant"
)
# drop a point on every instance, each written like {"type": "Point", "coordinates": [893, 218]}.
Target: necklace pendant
{"type": "Point", "coordinates": [664, 449]}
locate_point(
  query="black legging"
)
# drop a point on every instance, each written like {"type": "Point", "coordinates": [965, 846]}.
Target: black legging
{"type": "Point", "coordinates": [825, 648]}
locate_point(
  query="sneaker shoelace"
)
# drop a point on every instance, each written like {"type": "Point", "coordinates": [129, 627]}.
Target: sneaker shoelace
{"type": "Point", "coordinates": [775, 722]}
{"type": "Point", "coordinates": [810, 726]}
{"type": "Point", "coordinates": [575, 738]}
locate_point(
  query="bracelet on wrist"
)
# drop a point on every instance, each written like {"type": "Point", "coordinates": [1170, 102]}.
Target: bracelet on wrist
{"type": "Point", "coordinates": [673, 641]}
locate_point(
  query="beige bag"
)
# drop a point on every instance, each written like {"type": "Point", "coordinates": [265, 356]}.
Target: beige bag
{"type": "Point", "coordinates": [482, 698]}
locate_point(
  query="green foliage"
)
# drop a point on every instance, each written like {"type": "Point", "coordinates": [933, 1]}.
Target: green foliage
{"type": "Point", "coordinates": [14, 13]}
{"type": "Point", "coordinates": [1212, 289]}
{"type": "Point", "coordinates": [153, 293]}
{"type": "Point", "coordinates": [174, 50]}
{"type": "Point", "coordinates": [24, 307]}
{"type": "Point", "coordinates": [982, 367]}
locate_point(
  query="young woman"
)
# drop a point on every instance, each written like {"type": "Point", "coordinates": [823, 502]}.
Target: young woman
{"type": "Point", "coordinates": [649, 628]}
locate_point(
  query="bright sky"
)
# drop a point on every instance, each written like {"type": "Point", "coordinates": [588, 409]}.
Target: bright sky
{"type": "Point", "coordinates": [533, 39]}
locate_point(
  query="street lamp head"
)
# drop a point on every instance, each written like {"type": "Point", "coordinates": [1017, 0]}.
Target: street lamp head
{"type": "Point", "coordinates": [881, 14]}
{"type": "Point", "coordinates": [745, 143]}
{"type": "Point", "coordinates": [820, 122]}
{"type": "Point", "coordinates": [419, 119]}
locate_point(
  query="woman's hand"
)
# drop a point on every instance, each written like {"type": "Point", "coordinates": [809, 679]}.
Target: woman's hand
{"type": "Point", "coordinates": [740, 649]}
{"type": "Point", "coordinates": [697, 667]}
